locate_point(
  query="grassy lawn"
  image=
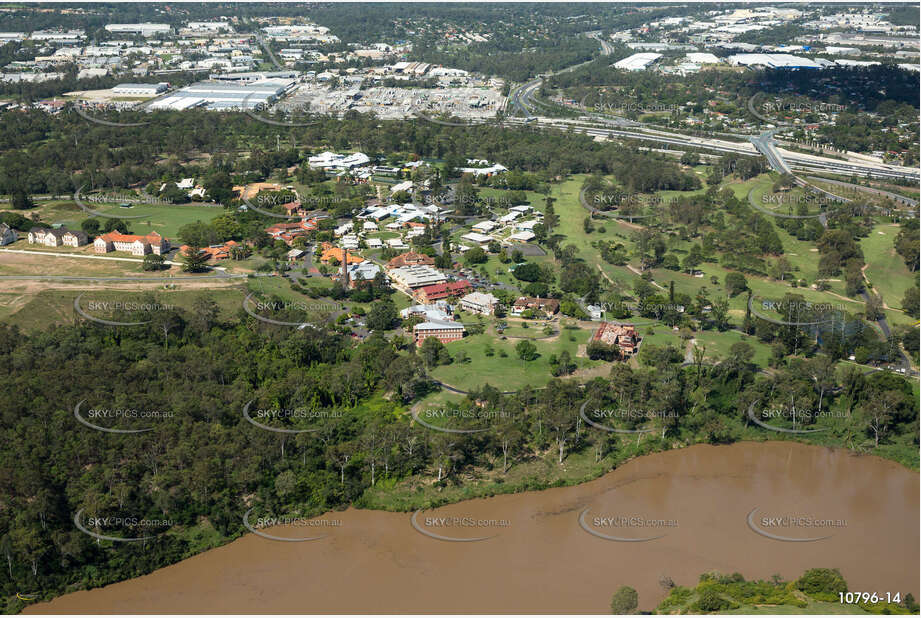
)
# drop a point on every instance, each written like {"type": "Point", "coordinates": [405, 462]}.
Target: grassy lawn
{"type": "Point", "coordinates": [34, 265]}
{"type": "Point", "coordinates": [886, 269]}
{"type": "Point", "coordinates": [163, 219]}
{"type": "Point", "coordinates": [812, 608]}
{"type": "Point", "coordinates": [508, 372]}
{"type": "Point", "coordinates": [718, 344]}
{"type": "Point", "coordinates": [38, 310]}
{"type": "Point", "coordinates": [786, 202]}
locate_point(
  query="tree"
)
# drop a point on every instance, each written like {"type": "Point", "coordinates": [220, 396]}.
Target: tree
{"type": "Point", "coordinates": [740, 354]}
{"type": "Point", "coordinates": [152, 261]}
{"type": "Point", "coordinates": [6, 548]}
{"type": "Point", "coordinates": [475, 256]}
{"type": "Point", "coordinates": [906, 244]}
{"type": "Point", "coordinates": [910, 301]}
{"type": "Point", "coordinates": [90, 226]}
{"type": "Point", "coordinates": [822, 584]}
{"type": "Point", "coordinates": [383, 315]}
{"type": "Point", "coordinates": [736, 283]}
{"type": "Point", "coordinates": [173, 194]}
{"type": "Point", "coordinates": [873, 308]}
{"type": "Point", "coordinates": [20, 200]}
{"type": "Point", "coordinates": [509, 437]}
{"type": "Point", "coordinates": [194, 260]}
{"type": "Point", "coordinates": [198, 234]}
{"type": "Point", "coordinates": [285, 484]}
{"type": "Point", "coordinates": [112, 225]}
{"type": "Point", "coordinates": [719, 311]}
{"type": "Point", "coordinates": [562, 423]}
{"type": "Point", "coordinates": [877, 415]}
{"type": "Point", "coordinates": [219, 187]}
{"type": "Point", "coordinates": [624, 601]}
{"type": "Point", "coordinates": [526, 350]}
{"type": "Point", "coordinates": [709, 600]}
{"type": "Point", "coordinates": [433, 352]}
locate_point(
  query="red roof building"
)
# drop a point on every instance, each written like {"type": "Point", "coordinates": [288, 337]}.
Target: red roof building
{"type": "Point", "coordinates": [411, 258]}
{"type": "Point", "coordinates": [439, 291]}
{"type": "Point", "coordinates": [624, 336]}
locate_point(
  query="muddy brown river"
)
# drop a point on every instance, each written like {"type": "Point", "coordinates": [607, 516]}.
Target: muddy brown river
{"type": "Point", "coordinates": [756, 508]}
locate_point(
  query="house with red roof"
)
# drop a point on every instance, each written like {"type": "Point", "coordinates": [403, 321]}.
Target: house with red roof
{"type": "Point", "coordinates": [215, 253]}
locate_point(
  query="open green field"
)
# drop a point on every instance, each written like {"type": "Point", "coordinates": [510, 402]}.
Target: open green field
{"type": "Point", "coordinates": [508, 372]}
{"type": "Point", "coordinates": [786, 202]}
{"type": "Point", "coordinates": [886, 270]}
{"type": "Point", "coordinates": [163, 219]}
{"type": "Point", "coordinates": [56, 306]}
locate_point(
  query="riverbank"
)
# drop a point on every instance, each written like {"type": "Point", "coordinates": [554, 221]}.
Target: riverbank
{"type": "Point", "coordinates": [539, 472]}
{"type": "Point", "coordinates": [545, 560]}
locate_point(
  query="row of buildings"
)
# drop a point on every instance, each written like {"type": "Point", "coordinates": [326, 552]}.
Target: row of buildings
{"type": "Point", "coordinates": [134, 244]}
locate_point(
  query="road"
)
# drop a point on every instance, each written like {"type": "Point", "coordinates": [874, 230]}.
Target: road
{"type": "Point", "coordinates": [522, 97]}
{"type": "Point", "coordinates": [895, 197]}
{"type": "Point", "coordinates": [522, 100]}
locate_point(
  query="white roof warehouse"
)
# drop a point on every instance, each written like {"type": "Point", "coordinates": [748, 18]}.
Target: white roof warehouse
{"type": "Point", "coordinates": [147, 90]}
{"type": "Point", "coordinates": [637, 62]}
{"type": "Point", "coordinates": [224, 96]}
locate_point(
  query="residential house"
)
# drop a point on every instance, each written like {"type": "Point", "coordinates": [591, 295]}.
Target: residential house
{"type": "Point", "coordinates": [547, 306]}
{"type": "Point", "coordinates": [595, 312]}
{"type": "Point", "coordinates": [287, 232]}
{"type": "Point", "coordinates": [486, 169]}
{"type": "Point", "coordinates": [215, 253]}
{"type": "Point", "coordinates": [624, 336]}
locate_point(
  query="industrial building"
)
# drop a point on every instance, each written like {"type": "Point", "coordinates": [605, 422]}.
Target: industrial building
{"type": "Point", "coordinates": [216, 96]}
{"type": "Point", "coordinates": [637, 62]}
{"type": "Point", "coordinates": [141, 90]}
{"type": "Point", "coordinates": [145, 29]}
{"type": "Point", "coordinates": [773, 61]}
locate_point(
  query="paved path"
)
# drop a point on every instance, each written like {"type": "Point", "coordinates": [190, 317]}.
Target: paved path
{"type": "Point", "coordinates": [90, 257]}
